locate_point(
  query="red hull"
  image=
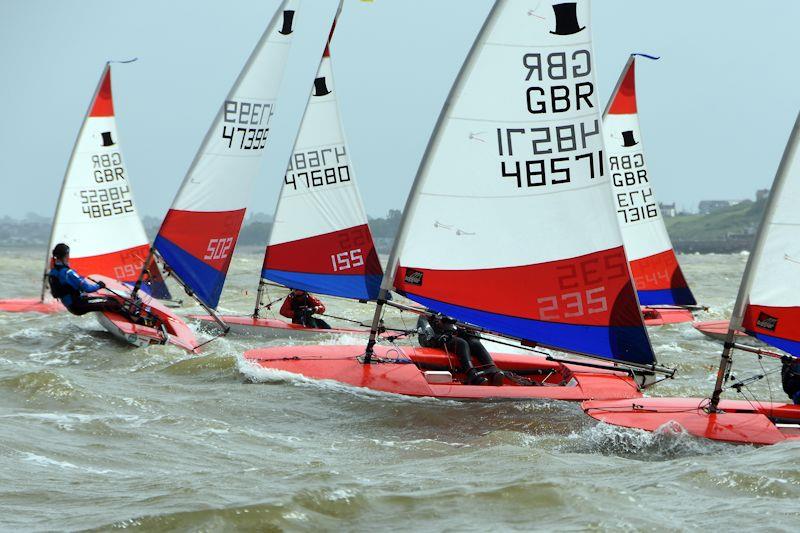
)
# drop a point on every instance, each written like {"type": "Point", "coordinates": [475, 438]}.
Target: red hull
{"type": "Point", "coordinates": [178, 333]}
{"type": "Point", "coordinates": [31, 305]}
{"type": "Point", "coordinates": [718, 330]}
{"type": "Point", "coordinates": [658, 316]}
{"type": "Point", "coordinates": [270, 327]}
{"type": "Point", "coordinates": [740, 422]}
{"type": "Point", "coordinates": [402, 371]}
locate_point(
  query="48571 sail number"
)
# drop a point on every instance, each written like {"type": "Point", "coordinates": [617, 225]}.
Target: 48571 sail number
{"type": "Point", "coordinates": [516, 145]}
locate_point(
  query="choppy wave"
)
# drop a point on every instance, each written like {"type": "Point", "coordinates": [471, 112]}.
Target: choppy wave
{"type": "Point", "coordinates": [99, 435]}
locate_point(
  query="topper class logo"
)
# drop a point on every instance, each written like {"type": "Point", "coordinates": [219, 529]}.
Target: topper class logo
{"type": "Point", "coordinates": [288, 19]}
{"type": "Point", "coordinates": [321, 87]}
{"type": "Point", "coordinates": [567, 19]}
{"type": "Point", "coordinates": [628, 140]}
{"type": "Point", "coordinates": [107, 139]}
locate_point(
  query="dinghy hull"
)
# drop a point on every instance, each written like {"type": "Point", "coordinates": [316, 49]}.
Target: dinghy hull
{"type": "Point", "coordinates": [419, 372]}
{"type": "Point", "coordinates": [739, 422]}
{"type": "Point", "coordinates": [31, 305]}
{"type": "Point", "coordinates": [659, 316]}
{"type": "Point", "coordinates": [718, 330]}
{"type": "Point", "coordinates": [175, 331]}
{"type": "Point", "coordinates": [275, 329]}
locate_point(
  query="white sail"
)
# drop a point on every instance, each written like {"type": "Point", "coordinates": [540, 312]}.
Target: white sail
{"type": "Point", "coordinates": [656, 273]}
{"type": "Point", "coordinates": [768, 306]}
{"type": "Point", "coordinates": [320, 239]}
{"type": "Point", "coordinates": [510, 225]}
{"type": "Point", "coordinates": [96, 214]}
{"type": "Point", "coordinates": [199, 233]}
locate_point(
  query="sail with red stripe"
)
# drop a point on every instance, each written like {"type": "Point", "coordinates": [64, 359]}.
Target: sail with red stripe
{"type": "Point", "coordinates": [654, 266]}
{"type": "Point", "coordinates": [769, 301]}
{"type": "Point", "coordinates": [320, 240]}
{"type": "Point", "coordinates": [96, 214]}
{"type": "Point", "coordinates": [509, 225]}
{"type": "Point", "coordinates": [199, 233]}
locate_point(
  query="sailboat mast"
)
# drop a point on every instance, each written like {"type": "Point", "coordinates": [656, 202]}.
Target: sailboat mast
{"type": "Point", "coordinates": [413, 196]}
{"type": "Point", "coordinates": [752, 264]}
{"type": "Point", "coordinates": [64, 181]}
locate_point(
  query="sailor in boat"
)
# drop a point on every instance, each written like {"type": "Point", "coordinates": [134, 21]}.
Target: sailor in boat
{"type": "Point", "coordinates": [73, 290]}
{"type": "Point", "coordinates": [301, 307]}
{"type": "Point", "coordinates": [790, 378]}
{"type": "Point", "coordinates": [442, 332]}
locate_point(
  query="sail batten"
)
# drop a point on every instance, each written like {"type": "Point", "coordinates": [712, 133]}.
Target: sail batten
{"type": "Point", "coordinates": [511, 228]}
{"type": "Point", "coordinates": [200, 231]}
{"type": "Point", "coordinates": [320, 240]}
{"type": "Point", "coordinates": [657, 275]}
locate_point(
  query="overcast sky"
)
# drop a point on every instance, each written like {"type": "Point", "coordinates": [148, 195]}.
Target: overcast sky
{"type": "Point", "coordinates": [716, 110]}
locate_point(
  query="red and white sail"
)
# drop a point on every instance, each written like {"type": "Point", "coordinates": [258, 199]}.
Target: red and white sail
{"type": "Point", "coordinates": [199, 234]}
{"type": "Point", "coordinates": [656, 273]}
{"type": "Point", "coordinates": [96, 214]}
{"type": "Point", "coordinates": [509, 225]}
{"type": "Point", "coordinates": [320, 239]}
{"type": "Point", "coordinates": [769, 300]}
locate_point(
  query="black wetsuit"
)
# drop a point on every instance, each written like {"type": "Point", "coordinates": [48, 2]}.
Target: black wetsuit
{"type": "Point", "coordinates": [790, 378]}
{"type": "Point", "coordinates": [442, 333]}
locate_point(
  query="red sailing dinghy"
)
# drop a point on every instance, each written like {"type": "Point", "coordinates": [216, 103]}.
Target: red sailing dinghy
{"type": "Point", "coordinates": [478, 241]}
{"type": "Point", "coordinates": [663, 292]}
{"type": "Point", "coordinates": [320, 241]}
{"type": "Point", "coordinates": [198, 235]}
{"type": "Point", "coordinates": [767, 308]}
{"type": "Point", "coordinates": [96, 215]}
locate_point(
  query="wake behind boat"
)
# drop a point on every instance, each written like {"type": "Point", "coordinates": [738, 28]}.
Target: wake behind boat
{"type": "Point", "coordinates": [663, 292]}
{"type": "Point", "coordinates": [478, 242]}
{"type": "Point", "coordinates": [767, 309]}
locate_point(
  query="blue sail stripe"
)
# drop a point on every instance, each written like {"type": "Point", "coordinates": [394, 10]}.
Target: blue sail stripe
{"type": "Point", "coordinates": [205, 281]}
{"type": "Point", "coordinates": [357, 287]}
{"type": "Point", "coordinates": [674, 296]}
{"type": "Point", "coordinates": [621, 343]}
{"type": "Point", "coordinates": [788, 346]}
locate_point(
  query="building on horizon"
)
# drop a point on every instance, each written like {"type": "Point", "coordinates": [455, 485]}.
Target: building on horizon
{"type": "Point", "coordinates": [668, 210]}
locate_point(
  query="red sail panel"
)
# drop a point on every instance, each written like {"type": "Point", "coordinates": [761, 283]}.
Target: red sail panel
{"type": "Point", "coordinates": [625, 101]}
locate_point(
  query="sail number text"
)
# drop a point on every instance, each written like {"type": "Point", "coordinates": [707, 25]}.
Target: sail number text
{"type": "Point", "coordinates": [628, 172]}
{"type": "Point", "coordinates": [318, 168]}
{"type": "Point", "coordinates": [98, 203]}
{"type": "Point", "coordinates": [244, 126]}
{"type": "Point", "coordinates": [347, 260]}
{"type": "Point", "coordinates": [218, 249]}
{"type": "Point", "coordinates": [582, 288]}
{"type": "Point", "coordinates": [515, 146]}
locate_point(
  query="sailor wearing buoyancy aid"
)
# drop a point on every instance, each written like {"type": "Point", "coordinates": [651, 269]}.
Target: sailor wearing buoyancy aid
{"type": "Point", "coordinates": [300, 306]}
{"type": "Point", "coordinates": [73, 289]}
